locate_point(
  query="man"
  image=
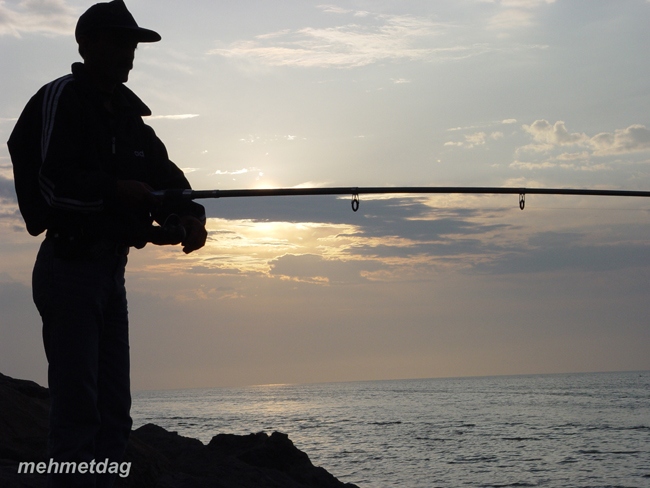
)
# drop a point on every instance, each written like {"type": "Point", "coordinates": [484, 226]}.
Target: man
{"type": "Point", "coordinates": [94, 164]}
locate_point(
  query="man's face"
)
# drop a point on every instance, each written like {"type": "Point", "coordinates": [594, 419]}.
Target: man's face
{"type": "Point", "coordinates": [110, 55]}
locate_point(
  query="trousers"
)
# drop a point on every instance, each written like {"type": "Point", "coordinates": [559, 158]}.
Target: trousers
{"type": "Point", "coordinates": [83, 306]}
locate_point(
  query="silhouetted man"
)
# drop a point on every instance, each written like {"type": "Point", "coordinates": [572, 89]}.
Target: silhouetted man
{"type": "Point", "coordinates": [96, 164]}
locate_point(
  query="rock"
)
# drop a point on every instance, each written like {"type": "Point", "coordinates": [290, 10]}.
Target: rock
{"type": "Point", "coordinates": [24, 408]}
{"type": "Point", "coordinates": [159, 458]}
{"type": "Point", "coordinates": [255, 460]}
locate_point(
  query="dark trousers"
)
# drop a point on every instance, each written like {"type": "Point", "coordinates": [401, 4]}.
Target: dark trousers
{"type": "Point", "coordinates": [85, 333]}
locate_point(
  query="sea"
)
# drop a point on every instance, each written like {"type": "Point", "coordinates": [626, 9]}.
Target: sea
{"type": "Point", "coordinates": [559, 430]}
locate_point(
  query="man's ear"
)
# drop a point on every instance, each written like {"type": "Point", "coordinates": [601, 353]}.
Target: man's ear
{"type": "Point", "coordinates": [84, 42]}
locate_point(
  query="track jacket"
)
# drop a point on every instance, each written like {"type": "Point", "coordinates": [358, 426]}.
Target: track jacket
{"type": "Point", "coordinates": [80, 150]}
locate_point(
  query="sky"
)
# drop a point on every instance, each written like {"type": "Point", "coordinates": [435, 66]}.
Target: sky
{"type": "Point", "coordinates": [297, 93]}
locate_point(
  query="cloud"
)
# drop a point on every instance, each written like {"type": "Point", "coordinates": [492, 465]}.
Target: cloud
{"type": "Point", "coordinates": [525, 3]}
{"type": "Point", "coordinates": [556, 134]}
{"type": "Point", "coordinates": [304, 239]}
{"type": "Point", "coordinates": [48, 17]}
{"type": "Point", "coordinates": [334, 9]}
{"type": "Point", "coordinates": [635, 138]}
{"type": "Point", "coordinates": [408, 236]}
{"type": "Point", "coordinates": [575, 164]}
{"type": "Point", "coordinates": [475, 139]}
{"type": "Point", "coordinates": [236, 171]}
{"type": "Point", "coordinates": [511, 19]}
{"type": "Point", "coordinates": [315, 269]}
{"type": "Point", "coordinates": [532, 165]}
{"type": "Point", "coordinates": [172, 117]}
{"type": "Point", "coordinates": [576, 156]}
{"type": "Point", "coordinates": [549, 138]}
{"type": "Point", "coordinates": [372, 38]}
{"type": "Point", "coordinates": [515, 14]}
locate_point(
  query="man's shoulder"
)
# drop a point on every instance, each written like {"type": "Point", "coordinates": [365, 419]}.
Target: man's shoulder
{"type": "Point", "coordinates": [48, 97]}
{"type": "Point", "coordinates": [59, 82]}
{"type": "Point", "coordinates": [55, 85]}
{"type": "Point", "coordinates": [43, 104]}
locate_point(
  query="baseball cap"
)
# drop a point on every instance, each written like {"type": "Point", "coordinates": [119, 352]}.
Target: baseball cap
{"type": "Point", "coordinates": [113, 16]}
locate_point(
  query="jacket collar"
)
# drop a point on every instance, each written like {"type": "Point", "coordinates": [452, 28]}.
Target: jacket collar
{"type": "Point", "coordinates": [122, 96]}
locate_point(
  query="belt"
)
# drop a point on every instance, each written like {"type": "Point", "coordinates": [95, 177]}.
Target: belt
{"type": "Point", "coordinates": [68, 246]}
{"type": "Point", "coordinates": [104, 247]}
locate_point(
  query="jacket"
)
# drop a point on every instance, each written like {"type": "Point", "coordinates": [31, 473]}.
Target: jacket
{"type": "Point", "coordinates": [69, 150]}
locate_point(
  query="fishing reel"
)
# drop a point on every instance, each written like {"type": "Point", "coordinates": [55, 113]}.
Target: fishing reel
{"type": "Point", "coordinates": [170, 233]}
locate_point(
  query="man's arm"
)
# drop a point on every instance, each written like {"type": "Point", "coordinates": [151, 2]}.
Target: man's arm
{"type": "Point", "coordinates": [71, 177]}
{"type": "Point", "coordinates": [168, 176]}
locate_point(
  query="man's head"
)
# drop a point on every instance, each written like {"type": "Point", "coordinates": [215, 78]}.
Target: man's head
{"type": "Point", "coordinates": [107, 35]}
{"type": "Point", "coordinates": [112, 16]}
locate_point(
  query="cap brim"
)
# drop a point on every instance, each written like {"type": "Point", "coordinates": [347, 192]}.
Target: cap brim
{"type": "Point", "coordinates": [138, 33]}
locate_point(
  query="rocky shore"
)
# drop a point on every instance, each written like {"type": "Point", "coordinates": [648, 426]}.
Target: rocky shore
{"type": "Point", "coordinates": [159, 458]}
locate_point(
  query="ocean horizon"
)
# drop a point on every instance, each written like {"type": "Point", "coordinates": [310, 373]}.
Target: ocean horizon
{"type": "Point", "coordinates": [556, 430]}
{"type": "Point", "coordinates": [424, 378]}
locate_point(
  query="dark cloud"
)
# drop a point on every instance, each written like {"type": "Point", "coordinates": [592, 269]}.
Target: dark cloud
{"type": "Point", "coordinates": [326, 209]}
{"type": "Point", "coordinates": [410, 218]}
{"type": "Point", "coordinates": [203, 270]}
{"type": "Point", "coordinates": [434, 228]}
{"type": "Point", "coordinates": [586, 258]}
{"type": "Point", "coordinates": [450, 248]}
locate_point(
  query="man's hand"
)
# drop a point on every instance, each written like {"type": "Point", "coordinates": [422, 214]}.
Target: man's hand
{"type": "Point", "coordinates": [195, 234]}
{"type": "Point", "coordinates": [136, 194]}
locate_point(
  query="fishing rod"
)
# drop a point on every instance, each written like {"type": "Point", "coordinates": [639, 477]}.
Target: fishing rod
{"type": "Point", "coordinates": [356, 191]}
